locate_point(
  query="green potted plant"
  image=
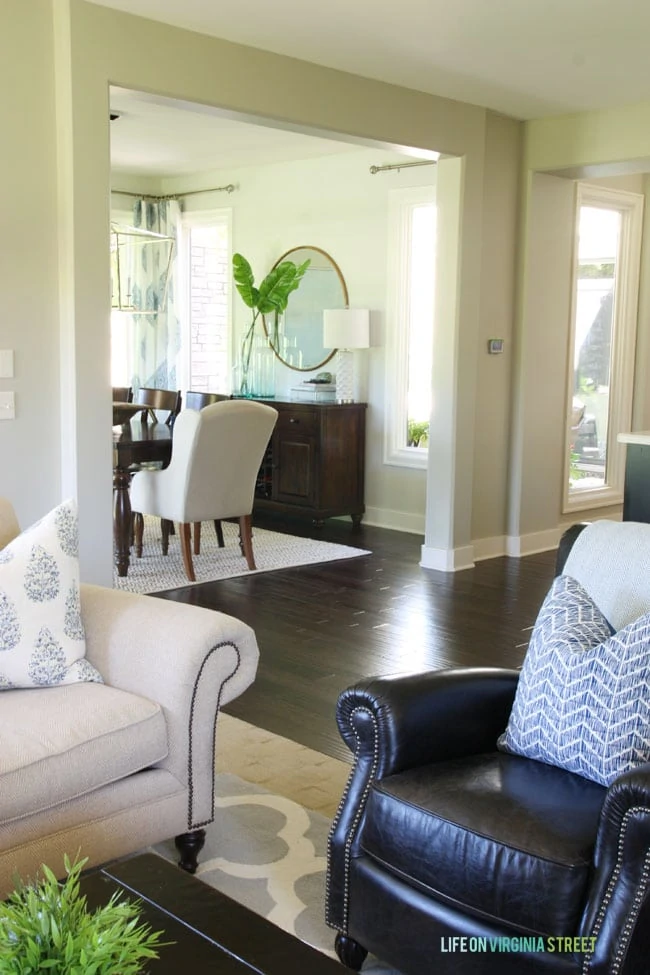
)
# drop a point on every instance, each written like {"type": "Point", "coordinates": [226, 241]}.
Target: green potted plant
{"type": "Point", "coordinates": [46, 927]}
{"type": "Point", "coordinates": [270, 298]}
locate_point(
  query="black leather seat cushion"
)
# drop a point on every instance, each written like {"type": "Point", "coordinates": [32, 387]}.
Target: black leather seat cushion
{"type": "Point", "coordinates": [497, 834]}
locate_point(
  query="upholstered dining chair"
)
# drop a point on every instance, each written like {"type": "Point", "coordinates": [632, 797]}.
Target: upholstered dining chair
{"type": "Point", "coordinates": [216, 455]}
{"type": "Point", "coordinates": [497, 821]}
{"type": "Point", "coordinates": [197, 400]}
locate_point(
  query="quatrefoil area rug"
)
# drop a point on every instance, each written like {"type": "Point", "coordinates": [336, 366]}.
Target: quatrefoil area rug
{"type": "Point", "coordinates": [269, 853]}
{"type": "Point", "coordinates": [155, 572]}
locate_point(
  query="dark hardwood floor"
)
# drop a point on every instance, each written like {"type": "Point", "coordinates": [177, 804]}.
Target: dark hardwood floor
{"type": "Point", "coordinates": [321, 628]}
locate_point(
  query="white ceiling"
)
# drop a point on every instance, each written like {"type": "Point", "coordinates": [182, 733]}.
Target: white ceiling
{"type": "Point", "coordinates": [160, 137]}
{"type": "Point", "coordinates": [525, 58]}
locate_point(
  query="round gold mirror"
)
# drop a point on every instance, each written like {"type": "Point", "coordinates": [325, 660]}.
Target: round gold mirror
{"type": "Point", "coordinates": [299, 340]}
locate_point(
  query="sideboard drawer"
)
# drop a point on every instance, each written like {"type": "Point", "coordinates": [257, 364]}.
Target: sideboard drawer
{"type": "Point", "coordinates": [299, 421]}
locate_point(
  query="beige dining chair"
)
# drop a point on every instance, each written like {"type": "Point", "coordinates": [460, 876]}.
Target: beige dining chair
{"type": "Point", "coordinates": [216, 455]}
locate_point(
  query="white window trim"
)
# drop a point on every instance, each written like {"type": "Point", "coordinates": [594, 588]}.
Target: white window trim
{"type": "Point", "coordinates": [624, 325]}
{"type": "Point", "coordinates": [401, 202]}
{"type": "Point", "coordinates": [190, 219]}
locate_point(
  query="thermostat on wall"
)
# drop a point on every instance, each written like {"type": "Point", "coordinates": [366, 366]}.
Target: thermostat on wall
{"type": "Point", "coordinates": [495, 346]}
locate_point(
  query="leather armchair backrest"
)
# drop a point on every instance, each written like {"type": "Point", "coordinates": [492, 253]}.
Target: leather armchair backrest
{"type": "Point", "coordinates": [611, 559]}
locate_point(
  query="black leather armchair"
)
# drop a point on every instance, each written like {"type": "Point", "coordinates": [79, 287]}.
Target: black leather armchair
{"type": "Point", "coordinates": [441, 836]}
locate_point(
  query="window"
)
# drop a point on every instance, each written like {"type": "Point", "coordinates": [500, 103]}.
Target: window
{"type": "Point", "coordinates": [205, 259]}
{"type": "Point", "coordinates": [409, 346]}
{"type": "Point", "coordinates": [603, 331]}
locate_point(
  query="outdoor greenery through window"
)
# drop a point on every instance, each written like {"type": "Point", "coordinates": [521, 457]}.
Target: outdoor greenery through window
{"type": "Point", "coordinates": [604, 326]}
{"type": "Point", "coordinates": [420, 330]}
{"type": "Point", "coordinates": [412, 252]}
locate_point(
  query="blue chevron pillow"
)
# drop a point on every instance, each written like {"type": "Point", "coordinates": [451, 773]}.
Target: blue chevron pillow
{"type": "Point", "coordinates": [582, 702]}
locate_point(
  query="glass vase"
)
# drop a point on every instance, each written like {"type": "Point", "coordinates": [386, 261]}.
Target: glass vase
{"type": "Point", "coordinates": [244, 370]}
{"type": "Point", "coordinates": [263, 368]}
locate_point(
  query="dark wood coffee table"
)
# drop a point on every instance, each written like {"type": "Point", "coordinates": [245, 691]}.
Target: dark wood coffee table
{"type": "Point", "coordinates": [211, 933]}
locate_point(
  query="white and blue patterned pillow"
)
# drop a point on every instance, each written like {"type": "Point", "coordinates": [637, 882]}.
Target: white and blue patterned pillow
{"type": "Point", "coordinates": [42, 638]}
{"type": "Point", "coordinates": [583, 699]}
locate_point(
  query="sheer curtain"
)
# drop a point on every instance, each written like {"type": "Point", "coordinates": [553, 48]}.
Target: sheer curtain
{"type": "Point", "coordinates": [156, 334]}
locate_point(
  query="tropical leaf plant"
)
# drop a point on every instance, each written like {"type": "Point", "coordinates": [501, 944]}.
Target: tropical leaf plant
{"type": "Point", "coordinates": [271, 298]}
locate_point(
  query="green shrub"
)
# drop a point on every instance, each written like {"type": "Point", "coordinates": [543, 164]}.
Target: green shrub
{"type": "Point", "coordinates": [46, 927]}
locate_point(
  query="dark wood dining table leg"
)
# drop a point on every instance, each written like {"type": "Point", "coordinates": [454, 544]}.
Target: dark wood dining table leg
{"type": "Point", "coordinates": [121, 519]}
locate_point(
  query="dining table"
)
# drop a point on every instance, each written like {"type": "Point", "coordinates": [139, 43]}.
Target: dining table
{"type": "Point", "coordinates": [137, 440]}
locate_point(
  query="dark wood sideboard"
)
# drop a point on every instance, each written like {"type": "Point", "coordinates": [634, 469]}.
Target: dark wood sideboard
{"type": "Point", "coordinates": [314, 464]}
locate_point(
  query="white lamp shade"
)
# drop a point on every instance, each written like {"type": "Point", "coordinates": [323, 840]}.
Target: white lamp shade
{"type": "Point", "coordinates": [346, 328]}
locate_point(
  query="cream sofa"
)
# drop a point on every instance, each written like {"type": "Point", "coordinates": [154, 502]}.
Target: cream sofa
{"type": "Point", "coordinates": [106, 769]}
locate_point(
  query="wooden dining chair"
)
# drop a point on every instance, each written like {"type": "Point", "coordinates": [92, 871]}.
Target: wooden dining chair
{"type": "Point", "coordinates": [163, 400]}
{"type": "Point", "coordinates": [216, 454]}
{"type": "Point", "coordinates": [122, 394]}
{"type": "Point", "coordinates": [195, 400]}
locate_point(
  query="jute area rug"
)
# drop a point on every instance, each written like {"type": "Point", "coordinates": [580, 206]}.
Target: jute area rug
{"type": "Point", "coordinates": [265, 849]}
{"type": "Point", "coordinates": [155, 572]}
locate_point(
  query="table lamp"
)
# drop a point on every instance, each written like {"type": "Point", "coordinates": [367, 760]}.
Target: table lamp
{"type": "Point", "coordinates": [345, 329]}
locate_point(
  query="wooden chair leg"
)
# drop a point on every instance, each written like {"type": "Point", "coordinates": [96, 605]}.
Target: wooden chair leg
{"type": "Point", "coordinates": [247, 540]}
{"type": "Point", "coordinates": [218, 527]}
{"type": "Point", "coordinates": [186, 549]}
{"type": "Point", "coordinates": [197, 537]}
{"type": "Point", "coordinates": [165, 528]}
{"type": "Point", "coordinates": [137, 524]}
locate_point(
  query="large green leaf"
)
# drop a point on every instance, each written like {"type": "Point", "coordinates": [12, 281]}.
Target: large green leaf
{"type": "Point", "coordinates": [276, 286]}
{"type": "Point", "coordinates": [244, 280]}
{"type": "Point", "coordinates": [300, 271]}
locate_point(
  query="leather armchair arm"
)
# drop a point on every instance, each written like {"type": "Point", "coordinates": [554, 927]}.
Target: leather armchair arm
{"type": "Point", "coordinates": [617, 914]}
{"type": "Point", "coordinates": [395, 723]}
{"type": "Point", "coordinates": [406, 721]}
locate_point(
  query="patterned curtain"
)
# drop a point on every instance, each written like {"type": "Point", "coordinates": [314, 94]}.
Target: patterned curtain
{"type": "Point", "coordinates": [157, 334]}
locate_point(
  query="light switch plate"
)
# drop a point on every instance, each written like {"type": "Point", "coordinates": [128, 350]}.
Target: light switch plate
{"type": "Point", "coordinates": [7, 406]}
{"type": "Point", "coordinates": [6, 363]}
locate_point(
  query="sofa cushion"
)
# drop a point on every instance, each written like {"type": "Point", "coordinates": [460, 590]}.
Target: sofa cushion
{"type": "Point", "coordinates": [484, 832]}
{"type": "Point", "coordinates": [63, 742]}
{"type": "Point", "coordinates": [582, 700]}
{"type": "Point", "coordinates": [42, 638]}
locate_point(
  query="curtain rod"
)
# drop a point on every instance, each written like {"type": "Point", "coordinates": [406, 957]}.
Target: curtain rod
{"type": "Point", "coordinates": [420, 162]}
{"type": "Point", "coordinates": [230, 188]}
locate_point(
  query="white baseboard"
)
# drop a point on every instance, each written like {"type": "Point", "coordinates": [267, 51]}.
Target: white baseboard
{"type": "Point", "coordinates": [401, 521]}
{"type": "Point", "coordinates": [489, 548]}
{"type": "Point", "coordinates": [519, 545]}
{"type": "Point", "coordinates": [447, 560]}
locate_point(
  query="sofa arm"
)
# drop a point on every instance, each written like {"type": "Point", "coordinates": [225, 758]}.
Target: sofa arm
{"type": "Point", "coordinates": [617, 915]}
{"type": "Point", "coordinates": [395, 723]}
{"type": "Point", "coordinates": [190, 660]}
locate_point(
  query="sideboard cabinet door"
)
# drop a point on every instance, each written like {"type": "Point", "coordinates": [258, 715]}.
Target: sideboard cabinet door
{"type": "Point", "coordinates": [317, 459]}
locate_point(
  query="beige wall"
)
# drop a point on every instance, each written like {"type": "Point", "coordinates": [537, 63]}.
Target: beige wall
{"type": "Point", "coordinates": [29, 445]}
{"type": "Point", "coordinates": [66, 220]}
{"type": "Point", "coordinates": [108, 47]}
{"type": "Point", "coordinates": [494, 372]}
{"type": "Point", "coordinates": [588, 147]}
